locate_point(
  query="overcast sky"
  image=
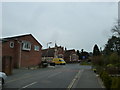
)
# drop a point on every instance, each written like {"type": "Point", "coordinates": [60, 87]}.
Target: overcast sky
{"type": "Point", "coordinates": [74, 25]}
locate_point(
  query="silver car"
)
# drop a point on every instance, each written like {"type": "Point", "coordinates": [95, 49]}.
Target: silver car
{"type": "Point", "coordinates": [3, 76]}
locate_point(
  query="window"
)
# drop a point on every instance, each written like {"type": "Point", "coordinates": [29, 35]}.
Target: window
{"type": "Point", "coordinates": [11, 44]}
{"type": "Point", "coordinates": [26, 45]}
{"type": "Point", "coordinates": [36, 48]}
{"type": "Point", "coordinates": [61, 60]}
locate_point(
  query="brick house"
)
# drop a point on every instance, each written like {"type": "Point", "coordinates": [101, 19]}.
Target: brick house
{"type": "Point", "coordinates": [70, 56]}
{"type": "Point", "coordinates": [25, 50]}
{"type": "Point", "coordinates": [50, 53]}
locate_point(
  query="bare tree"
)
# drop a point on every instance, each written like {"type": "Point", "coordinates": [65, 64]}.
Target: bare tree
{"type": "Point", "coordinates": [116, 28]}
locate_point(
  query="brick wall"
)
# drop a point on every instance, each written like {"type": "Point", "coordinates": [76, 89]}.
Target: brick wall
{"type": "Point", "coordinates": [32, 57]}
{"type": "Point", "coordinates": [23, 58]}
{"type": "Point", "coordinates": [70, 56]}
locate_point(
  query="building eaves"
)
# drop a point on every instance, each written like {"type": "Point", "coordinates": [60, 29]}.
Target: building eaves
{"type": "Point", "coordinates": [19, 36]}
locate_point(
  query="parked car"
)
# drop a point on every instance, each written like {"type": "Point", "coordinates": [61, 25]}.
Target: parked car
{"type": "Point", "coordinates": [44, 63]}
{"type": "Point", "coordinates": [59, 61]}
{"type": "Point", "coordinates": [3, 77]}
{"type": "Point", "coordinates": [52, 63]}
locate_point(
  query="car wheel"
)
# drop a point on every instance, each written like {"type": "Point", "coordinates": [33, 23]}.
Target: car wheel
{"type": "Point", "coordinates": [3, 81]}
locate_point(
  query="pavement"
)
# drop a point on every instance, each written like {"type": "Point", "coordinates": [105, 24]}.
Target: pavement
{"type": "Point", "coordinates": [88, 79]}
{"type": "Point", "coordinates": [61, 76]}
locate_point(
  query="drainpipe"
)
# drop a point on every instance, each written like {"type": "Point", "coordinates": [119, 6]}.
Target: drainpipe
{"type": "Point", "coordinates": [20, 44]}
{"type": "Point", "coordinates": [20, 56]}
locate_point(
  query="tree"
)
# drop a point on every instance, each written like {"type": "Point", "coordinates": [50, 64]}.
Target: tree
{"type": "Point", "coordinates": [113, 45]}
{"type": "Point", "coordinates": [116, 28]}
{"type": "Point", "coordinates": [78, 53]}
{"type": "Point", "coordinates": [82, 50]}
{"type": "Point", "coordinates": [96, 50]}
{"type": "Point", "coordinates": [85, 54]}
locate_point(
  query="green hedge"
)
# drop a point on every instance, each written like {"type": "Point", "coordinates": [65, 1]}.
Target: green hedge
{"type": "Point", "coordinates": [115, 83]}
{"type": "Point", "coordinates": [110, 83]}
{"type": "Point", "coordinates": [106, 79]}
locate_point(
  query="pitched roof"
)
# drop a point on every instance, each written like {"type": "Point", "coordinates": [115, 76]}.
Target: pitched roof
{"type": "Point", "coordinates": [69, 52]}
{"type": "Point", "coordinates": [18, 36]}
{"type": "Point", "coordinates": [15, 37]}
{"type": "Point", "coordinates": [48, 52]}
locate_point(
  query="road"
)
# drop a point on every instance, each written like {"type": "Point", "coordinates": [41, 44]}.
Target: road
{"type": "Point", "coordinates": [60, 76]}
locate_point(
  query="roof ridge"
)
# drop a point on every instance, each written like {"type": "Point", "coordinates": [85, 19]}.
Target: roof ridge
{"type": "Point", "coordinates": [16, 36]}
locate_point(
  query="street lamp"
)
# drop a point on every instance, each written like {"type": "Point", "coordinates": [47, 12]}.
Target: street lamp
{"type": "Point", "coordinates": [48, 43]}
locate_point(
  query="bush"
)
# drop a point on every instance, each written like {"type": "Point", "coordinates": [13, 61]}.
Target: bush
{"type": "Point", "coordinates": [106, 79]}
{"type": "Point", "coordinates": [98, 60]}
{"type": "Point", "coordinates": [114, 58]}
{"type": "Point", "coordinates": [85, 63]}
{"type": "Point", "coordinates": [115, 83]}
{"type": "Point", "coordinates": [111, 69]}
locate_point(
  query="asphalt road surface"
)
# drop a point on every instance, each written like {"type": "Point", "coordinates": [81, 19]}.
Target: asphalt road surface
{"type": "Point", "coordinates": [60, 76]}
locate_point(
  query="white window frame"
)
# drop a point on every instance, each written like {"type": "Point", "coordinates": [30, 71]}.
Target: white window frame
{"type": "Point", "coordinates": [11, 44]}
{"type": "Point", "coordinates": [26, 45]}
{"type": "Point", "coordinates": [36, 48]}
